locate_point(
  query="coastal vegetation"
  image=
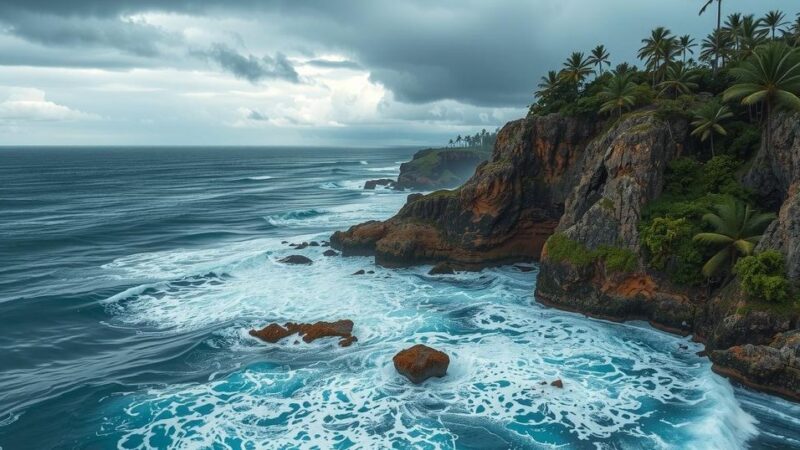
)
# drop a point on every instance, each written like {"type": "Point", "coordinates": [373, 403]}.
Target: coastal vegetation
{"type": "Point", "coordinates": [728, 86]}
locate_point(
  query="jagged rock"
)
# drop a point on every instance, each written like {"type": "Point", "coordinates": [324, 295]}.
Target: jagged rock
{"type": "Point", "coordinates": [295, 259]}
{"type": "Point", "coordinates": [783, 235]}
{"type": "Point", "coordinates": [421, 362]}
{"type": "Point", "coordinates": [330, 252]}
{"type": "Point", "coordinates": [773, 368]}
{"type": "Point", "coordinates": [274, 332]}
{"type": "Point", "coordinates": [442, 268]}
{"type": "Point", "coordinates": [776, 167]}
{"type": "Point", "coordinates": [558, 383]}
{"type": "Point", "coordinates": [372, 184]}
{"type": "Point", "coordinates": [503, 213]}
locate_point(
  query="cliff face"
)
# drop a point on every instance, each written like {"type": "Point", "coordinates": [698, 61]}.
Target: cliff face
{"type": "Point", "coordinates": [622, 171]}
{"type": "Point", "coordinates": [503, 213]}
{"type": "Point", "coordinates": [775, 176]}
{"type": "Point", "coordinates": [758, 346]}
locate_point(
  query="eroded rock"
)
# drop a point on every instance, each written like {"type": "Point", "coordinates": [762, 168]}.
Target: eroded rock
{"type": "Point", "coordinates": [310, 332]}
{"type": "Point", "coordinates": [421, 362]}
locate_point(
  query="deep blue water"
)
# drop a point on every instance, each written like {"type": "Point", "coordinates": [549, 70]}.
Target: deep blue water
{"type": "Point", "coordinates": [129, 279]}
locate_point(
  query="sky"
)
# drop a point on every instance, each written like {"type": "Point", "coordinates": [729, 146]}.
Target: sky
{"type": "Point", "coordinates": [301, 72]}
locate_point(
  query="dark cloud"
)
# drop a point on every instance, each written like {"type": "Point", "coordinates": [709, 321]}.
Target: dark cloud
{"type": "Point", "coordinates": [253, 68]}
{"type": "Point", "coordinates": [133, 37]}
{"type": "Point", "coordinates": [482, 53]}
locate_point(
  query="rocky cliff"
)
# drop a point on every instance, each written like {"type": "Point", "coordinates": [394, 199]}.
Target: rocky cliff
{"type": "Point", "coordinates": [758, 344]}
{"type": "Point", "coordinates": [503, 213]}
{"type": "Point", "coordinates": [586, 184]}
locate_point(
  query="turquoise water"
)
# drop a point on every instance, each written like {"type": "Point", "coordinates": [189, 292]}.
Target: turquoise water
{"type": "Point", "coordinates": [131, 276]}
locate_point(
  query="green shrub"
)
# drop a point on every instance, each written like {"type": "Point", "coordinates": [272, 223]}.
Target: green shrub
{"type": "Point", "coordinates": [763, 277]}
{"type": "Point", "coordinates": [560, 248]}
{"type": "Point", "coordinates": [669, 245]}
{"type": "Point", "coordinates": [661, 237]}
{"type": "Point", "coordinates": [617, 259]}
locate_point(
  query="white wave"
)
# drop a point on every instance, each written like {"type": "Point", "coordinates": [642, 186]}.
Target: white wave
{"type": "Point", "coordinates": [625, 384]}
{"type": "Point", "coordinates": [363, 163]}
{"type": "Point", "coordinates": [385, 169]}
{"type": "Point", "coordinates": [264, 177]}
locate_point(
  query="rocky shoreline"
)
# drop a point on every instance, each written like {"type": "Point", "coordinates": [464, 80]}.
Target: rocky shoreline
{"type": "Point", "coordinates": [588, 182]}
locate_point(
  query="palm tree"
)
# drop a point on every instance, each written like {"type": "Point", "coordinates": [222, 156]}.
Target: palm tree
{"type": "Point", "coordinates": [774, 20]}
{"type": "Point", "coordinates": [733, 27]}
{"type": "Point", "coordinates": [576, 69]}
{"type": "Point", "coordinates": [679, 80]}
{"type": "Point", "coordinates": [752, 35]}
{"type": "Point", "coordinates": [737, 230]}
{"type": "Point", "coordinates": [599, 57]}
{"type": "Point", "coordinates": [450, 144]}
{"type": "Point", "coordinates": [657, 50]}
{"type": "Point", "coordinates": [708, 121]}
{"type": "Point", "coordinates": [770, 76]}
{"type": "Point", "coordinates": [619, 94]}
{"type": "Point", "coordinates": [685, 44]}
{"type": "Point", "coordinates": [548, 84]}
{"type": "Point", "coordinates": [458, 140]}
{"type": "Point", "coordinates": [719, 25]}
{"type": "Point", "coordinates": [715, 45]}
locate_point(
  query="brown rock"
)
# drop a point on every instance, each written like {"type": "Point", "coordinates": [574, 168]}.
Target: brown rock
{"type": "Point", "coordinates": [557, 383]}
{"type": "Point", "coordinates": [421, 362]}
{"type": "Point", "coordinates": [310, 332]}
{"type": "Point", "coordinates": [272, 333]}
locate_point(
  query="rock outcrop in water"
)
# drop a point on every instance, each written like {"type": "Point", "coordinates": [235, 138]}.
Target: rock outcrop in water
{"type": "Point", "coordinates": [435, 168]}
{"type": "Point", "coordinates": [503, 213]}
{"type": "Point", "coordinates": [421, 362]}
{"type": "Point", "coordinates": [310, 332]}
{"type": "Point", "coordinates": [554, 174]}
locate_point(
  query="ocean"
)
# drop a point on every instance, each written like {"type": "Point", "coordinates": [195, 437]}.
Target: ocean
{"type": "Point", "coordinates": [129, 278]}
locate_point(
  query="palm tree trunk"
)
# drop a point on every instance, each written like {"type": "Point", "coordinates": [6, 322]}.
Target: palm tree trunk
{"type": "Point", "coordinates": [716, 36]}
{"type": "Point", "coordinates": [713, 154]}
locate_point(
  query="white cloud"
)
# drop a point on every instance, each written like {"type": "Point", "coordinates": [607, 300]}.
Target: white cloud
{"type": "Point", "coordinates": [30, 105]}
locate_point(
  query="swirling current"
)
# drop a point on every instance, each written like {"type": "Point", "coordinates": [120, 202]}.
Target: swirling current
{"type": "Point", "coordinates": [130, 276]}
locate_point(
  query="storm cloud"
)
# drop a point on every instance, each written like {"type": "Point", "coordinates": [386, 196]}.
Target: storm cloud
{"type": "Point", "coordinates": [446, 65]}
{"type": "Point", "coordinates": [252, 68]}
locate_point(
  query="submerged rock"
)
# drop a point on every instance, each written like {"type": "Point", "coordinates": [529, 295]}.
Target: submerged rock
{"type": "Point", "coordinates": [442, 268]}
{"type": "Point", "coordinates": [421, 362]}
{"type": "Point", "coordinates": [330, 253]}
{"type": "Point", "coordinates": [296, 259]}
{"type": "Point", "coordinates": [372, 184]}
{"type": "Point", "coordinates": [359, 272]}
{"type": "Point", "coordinates": [274, 332]}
